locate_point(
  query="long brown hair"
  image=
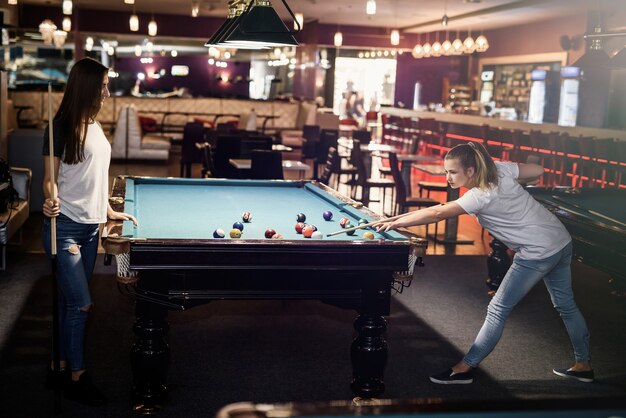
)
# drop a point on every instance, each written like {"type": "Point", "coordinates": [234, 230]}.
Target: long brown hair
{"type": "Point", "coordinates": [474, 155]}
{"type": "Point", "coordinates": [79, 106]}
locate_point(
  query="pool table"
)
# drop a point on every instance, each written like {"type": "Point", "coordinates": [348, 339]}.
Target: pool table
{"type": "Point", "coordinates": [596, 220]}
{"type": "Point", "coordinates": [178, 263]}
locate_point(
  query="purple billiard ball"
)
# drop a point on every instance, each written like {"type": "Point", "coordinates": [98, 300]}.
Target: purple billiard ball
{"type": "Point", "coordinates": [328, 215]}
{"type": "Point", "coordinates": [238, 225]}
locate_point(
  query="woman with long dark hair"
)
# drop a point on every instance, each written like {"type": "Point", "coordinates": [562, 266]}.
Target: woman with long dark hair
{"type": "Point", "coordinates": [82, 156]}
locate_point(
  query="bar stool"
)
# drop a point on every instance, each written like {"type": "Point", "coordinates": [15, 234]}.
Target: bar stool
{"type": "Point", "coordinates": [556, 160]}
{"type": "Point", "coordinates": [582, 166]}
{"type": "Point", "coordinates": [605, 151]}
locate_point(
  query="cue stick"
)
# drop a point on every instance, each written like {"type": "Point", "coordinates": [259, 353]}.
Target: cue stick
{"type": "Point", "coordinates": [354, 228]}
{"type": "Point", "coordinates": [593, 212]}
{"type": "Point", "coordinates": [56, 359]}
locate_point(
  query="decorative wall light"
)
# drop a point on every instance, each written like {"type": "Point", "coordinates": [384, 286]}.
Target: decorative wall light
{"type": "Point", "coordinates": [47, 28]}
{"type": "Point", "coordinates": [395, 37]}
{"type": "Point", "coordinates": [12, 2]}
{"type": "Point", "coordinates": [195, 9]}
{"type": "Point", "coordinates": [370, 7]}
{"type": "Point", "coordinates": [129, 1]}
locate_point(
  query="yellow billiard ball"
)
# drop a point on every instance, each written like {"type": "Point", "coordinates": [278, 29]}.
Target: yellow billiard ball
{"type": "Point", "coordinates": [235, 233]}
{"type": "Point", "coordinates": [368, 235]}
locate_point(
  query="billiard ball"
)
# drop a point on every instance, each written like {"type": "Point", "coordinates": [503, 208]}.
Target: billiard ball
{"type": "Point", "coordinates": [328, 215]}
{"type": "Point", "coordinates": [343, 222]}
{"type": "Point", "coordinates": [277, 236]}
{"type": "Point", "coordinates": [307, 231]}
{"type": "Point", "coordinates": [363, 221]}
{"type": "Point", "coordinates": [317, 235]}
{"type": "Point", "coordinates": [235, 233]}
{"type": "Point", "coordinates": [269, 233]}
{"type": "Point", "coordinates": [219, 233]}
{"type": "Point", "coordinates": [299, 227]}
{"type": "Point", "coordinates": [314, 227]}
{"type": "Point", "coordinates": [238, 225]}
{"type": "Point", "coordinates": [349, 225]}
{"type": "Point", "coordinates": [246, 217]}
{"type": "Point", "coordinates": [368, 235]}
{"type": "Point", "coordinates": [301, 217]}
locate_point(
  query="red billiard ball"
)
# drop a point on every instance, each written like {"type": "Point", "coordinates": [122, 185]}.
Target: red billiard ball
{"type": "Point", "coordinates": [269, 233]}
{"type": "Point", "coordinates": [343, 222]}
{"type": "Point", "coordinates": [246, 217]}
{"type": "Point", "coordinates": [307, 231]}
{"type": "Point", "coordinates": [299, 227]}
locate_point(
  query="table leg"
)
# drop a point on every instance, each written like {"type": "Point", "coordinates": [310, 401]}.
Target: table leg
{"type": "Point", "coordinates": [369, 356]}
{"type": "Point", "coordinates": [150, 354]}
{"type": "Point", "coordinates": [405, 171]}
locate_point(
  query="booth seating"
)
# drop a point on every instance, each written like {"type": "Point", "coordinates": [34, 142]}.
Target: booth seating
{"type": "Point", "coordinates": [130, 144]}
{"type": "Point", "coordinates": [12, 220]}
{"type": "Point", "coordinates": [308, 115]}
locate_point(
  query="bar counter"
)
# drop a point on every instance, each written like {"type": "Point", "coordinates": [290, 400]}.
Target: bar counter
{"type": "Point", "coordinates": [474, 120]}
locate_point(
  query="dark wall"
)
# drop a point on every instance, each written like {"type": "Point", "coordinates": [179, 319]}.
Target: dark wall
{"type": "Point", "coordinates": [201, 81]}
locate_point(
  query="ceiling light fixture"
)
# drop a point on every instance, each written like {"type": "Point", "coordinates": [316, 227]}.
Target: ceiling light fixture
{"type": "Point", "coordinates": [195, 9]}
{"type": "Point", "coordinates": [129, 1]}
{"type": "Point", "coordinates": [254, 25]}
{"type": "Point", "coordinates": [67, 24]}
{"type": "Point", "coordinates": [338, 39]}
{"type": "Point", "coordinates": [595, 55]}
{"type": "Point", "coordinates": [12, 2]}
{"type": "Point", "coordinates": [444, 19]}
{"type": "Point", "coordinates": [133, 22]}
{"type": "Point", "coordinates": [370, 7]}
{"type": "Point", "coordinates": [47, 28]}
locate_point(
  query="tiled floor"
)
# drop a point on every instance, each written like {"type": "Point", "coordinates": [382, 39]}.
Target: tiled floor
{"type": "Point", "coordinates": [468, 227]}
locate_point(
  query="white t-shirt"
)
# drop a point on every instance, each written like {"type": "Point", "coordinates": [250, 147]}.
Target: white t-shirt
{"type": "Point", "coordinates": [513, 216]}
{"type": "Point", "coordinates": [84, 187]}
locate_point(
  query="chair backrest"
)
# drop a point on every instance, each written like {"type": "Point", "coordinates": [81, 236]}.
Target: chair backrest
{"type": "Point", "coordinates": [311, 135]}
{"type": "Point", "coordinates": [311, 132]}
{"type": "Point", "coordinates": [332, 160]}
{"type": "Point", "coordinates": [227, 147]}
{"type": "Point", "coordinates": [254, 142]}
{"type": "Point", "coordinates": [227, 127]}
{"type": "Point", "coordinates": [193, 133]}
{"type": "Point", "coordinates": [356, 159]}
{"type": "Point", "coordinates": [266, 165]}
{"type": "Point", "coordinates": [328, 138]}
{"type": "Point", "coordinates": [362, 135]}
{"type": "Point", "coordinates": [397, 179]}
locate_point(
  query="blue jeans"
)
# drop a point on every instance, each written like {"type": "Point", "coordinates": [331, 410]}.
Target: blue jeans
{"type": "Point", "coordinates": [77, 249]}
{"type": "Point", "coordinates": [521, 277]}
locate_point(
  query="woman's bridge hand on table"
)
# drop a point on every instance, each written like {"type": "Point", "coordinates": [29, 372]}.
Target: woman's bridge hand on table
{"type": "Point", "coordinates": [121, 216]}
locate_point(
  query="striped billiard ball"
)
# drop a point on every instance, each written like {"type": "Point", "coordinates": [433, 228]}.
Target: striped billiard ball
{"type": "Point", "coordinates": [219, 233]}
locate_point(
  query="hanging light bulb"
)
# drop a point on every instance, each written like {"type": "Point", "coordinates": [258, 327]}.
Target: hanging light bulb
{"type": "Point", "coordinates": [138, 50]}
{"type": "Point", "coordinates": [417, 51]}
{"type": "Point", "coordinates": [427, 47]}
{"type": "Point", "coordinates": [67, 7]}
{"type": "Point", "coordinates": [436, 48]}
{"type": "Point", "coordinates": [338, 39]}
{"type": "Point", "coordinates": [133, 22]}
{"type": "Point", "coordinates": [395, 37]}
{"type": "Point", "coordinates": [195, 9]}
{"type": "Point", "coordinates": [482, 44]}
{"type": "Point", "coordinates": [67, 24]}
{"type": "Point", "coordinates": [457, 45]}
{"type": "Point", "coordinates": [299, 20]}
{"type": "Point", "coordinates": [152, 27]}
{"type": "Point", "coordinates": [370, 7]}
{"type": "Point", "coordinates": [469, 46]}
{"type": "Point", "coordinates": [89, 43]}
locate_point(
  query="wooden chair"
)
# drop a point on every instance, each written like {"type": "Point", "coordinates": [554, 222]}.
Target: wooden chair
{"type": "Point", "coordinates": [227, 147]}
{"type": "Point", "coordinates": [193, 133]}
{"type": "Point", "coordinates": [208, 168]}
{"type": "Point", "coordinates": [402, 201]}
{"type": "Point", "coordinates": [266, 165]}
{"type": "Point", "coordinates": [366, 183]}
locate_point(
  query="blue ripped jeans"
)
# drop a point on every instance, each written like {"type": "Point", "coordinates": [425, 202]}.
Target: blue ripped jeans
{"type": "Point", "coordinates": [74, 270]}
{"type": "Point", "coordinates": [521, 277]}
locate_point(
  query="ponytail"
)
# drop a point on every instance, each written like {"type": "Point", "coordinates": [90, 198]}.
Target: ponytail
{"type": "Point", "coordinates": [474, 154]}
